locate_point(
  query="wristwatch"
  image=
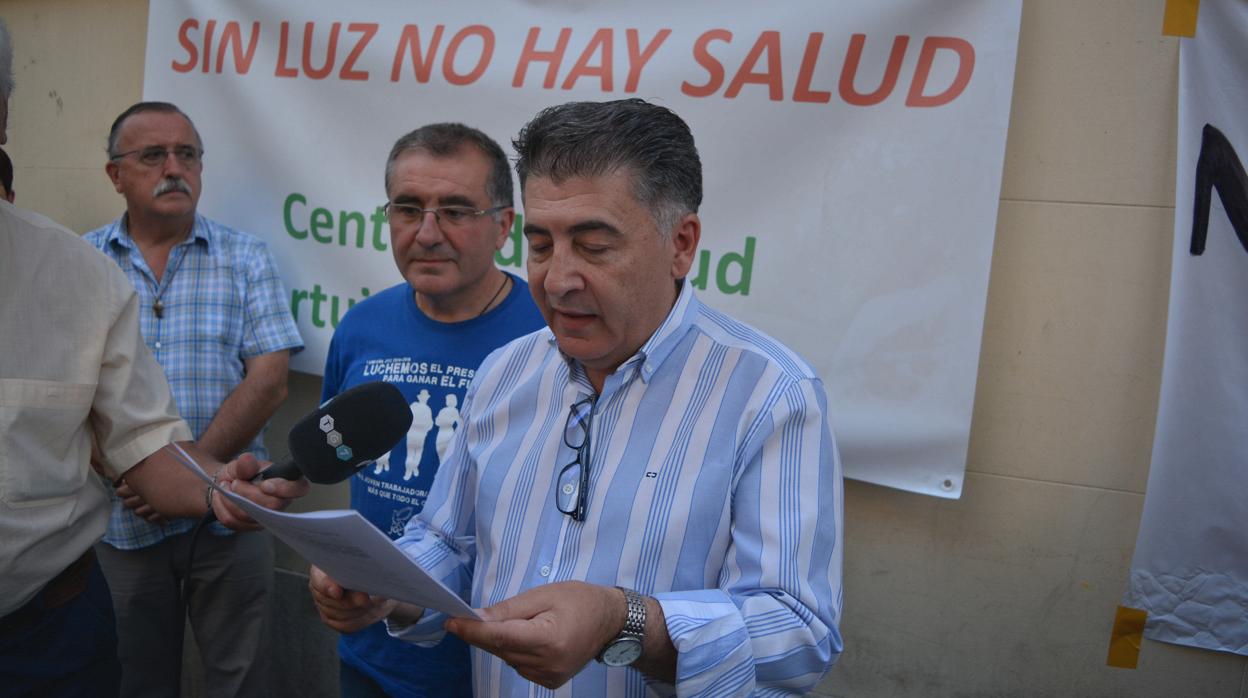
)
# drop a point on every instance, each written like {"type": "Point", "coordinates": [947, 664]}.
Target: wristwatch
{"type": "Point", "coordinates": [626, 647]}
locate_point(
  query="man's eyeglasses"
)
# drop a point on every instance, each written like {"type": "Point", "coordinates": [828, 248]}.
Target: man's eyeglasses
{"type": "Point", "coordinates": [151, 156]}
{"type": "Point", "coordinates": [449, 217]}
{"type": "Point", "coordinates": [573, 482]}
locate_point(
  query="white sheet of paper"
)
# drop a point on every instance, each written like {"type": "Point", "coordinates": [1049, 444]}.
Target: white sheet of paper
{"type": "Point", "coordinates": [349, 549]}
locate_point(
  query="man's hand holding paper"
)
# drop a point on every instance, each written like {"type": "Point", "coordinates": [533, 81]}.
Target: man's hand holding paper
{"type": "Point", "coordinates": [349, 611]}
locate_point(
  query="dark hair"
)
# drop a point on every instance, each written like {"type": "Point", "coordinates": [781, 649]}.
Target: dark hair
{"type": "Point", "coordinates": [6, 61]}
{"type": "Point", "coordinates": [447, 139]}
{"type": "Point", "coordinates": [114, 133]}
{"type": "Point", "coordinates": [591, 139]}
{"type": "Point", "coordinates": [6, 171]}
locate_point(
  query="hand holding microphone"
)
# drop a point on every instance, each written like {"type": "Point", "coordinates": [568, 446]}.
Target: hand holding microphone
{"type": "Point", "coordinates": [327, 446]}
{"type": "Point", "coordinates": [240, 477]}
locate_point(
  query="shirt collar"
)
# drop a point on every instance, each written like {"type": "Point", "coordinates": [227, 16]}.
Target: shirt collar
{"type": "Point", "coordinates": [119, 233]}
{"type": "Point", "coordinates": [661, 344]}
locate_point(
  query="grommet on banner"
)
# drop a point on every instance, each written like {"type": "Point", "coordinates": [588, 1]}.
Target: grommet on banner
{"type": "Point", "coordinates": [1126, 637]}
{"type": "Point", "coordinates": [1180, 19]}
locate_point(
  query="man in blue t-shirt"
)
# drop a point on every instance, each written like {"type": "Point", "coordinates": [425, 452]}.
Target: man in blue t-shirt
{"type": "Point", "coordinates": [449, 206]}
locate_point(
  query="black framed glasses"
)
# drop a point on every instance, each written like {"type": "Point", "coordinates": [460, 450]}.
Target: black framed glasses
{"type": "Point", "coordinates": [151, 156]}
{"type": "Point", "coordinates": [572, 487]}
{"type": "Point", "coordinates": [449, 217]}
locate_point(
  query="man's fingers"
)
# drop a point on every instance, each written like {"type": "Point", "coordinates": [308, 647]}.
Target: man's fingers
{"type": "Point", "coordinates": [520, 638]}
{"type": "Point", "coordinates": [350, 604]}
{"type": "Point", "coordinates": [354, 611]}
{"type": "Point", "coordinates": [345, 600]}
{"type": "Point", "coordinates": [477, 633]}
{"type": "Point", "coordinates": [231, 516]}
{"type": "Point", "coordinates": [275, 495]}
{"type": "Point", "coordinates": [147, 512]}
{"type": "Point", "coordinates": [522, 607]}
{"type": "Point", "coordinates": [245, 467]}
{"type": "Point", "coordinates": [342, 608]}
{"type": "Point", "coordinates": [343, 619]}
{"type": "Point", "coordinates": [322, 584]}
{"type": "Point", "coordinates": [131, 500]}
{"type": "Point", "coordinates": [285, 489]}
{"type": "Point", "coordinates": [547, 634]}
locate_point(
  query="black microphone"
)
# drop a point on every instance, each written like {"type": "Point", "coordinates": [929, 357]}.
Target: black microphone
{"type": "Point", "coordinates": [329, 445]}
{"type": "Point", "coordinates": [348, 432]}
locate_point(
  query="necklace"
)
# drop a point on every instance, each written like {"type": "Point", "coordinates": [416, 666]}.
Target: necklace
{"type": "Point", "coordinates": [159, 287]}
{"type": "Point", "coordinates": [495, 296]}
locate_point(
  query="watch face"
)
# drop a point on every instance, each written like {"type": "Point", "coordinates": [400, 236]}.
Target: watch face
{"type": "Point", "coordinates": [622, 652]}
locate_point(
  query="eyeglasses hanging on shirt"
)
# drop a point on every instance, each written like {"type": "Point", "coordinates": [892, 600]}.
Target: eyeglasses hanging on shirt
{"type": "Point", "coordinates": [572, 491]}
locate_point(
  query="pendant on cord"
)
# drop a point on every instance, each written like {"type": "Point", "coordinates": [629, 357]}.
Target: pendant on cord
{"type": "Point", "coordinates": [158, 307]}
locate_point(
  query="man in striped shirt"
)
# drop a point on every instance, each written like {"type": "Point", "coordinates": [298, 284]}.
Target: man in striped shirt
{"type": "Point", "coordinates": [647, 482]}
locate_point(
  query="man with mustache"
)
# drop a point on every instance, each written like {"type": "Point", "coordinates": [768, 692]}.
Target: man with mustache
{"type": "Point", "coordinates": [217, 318]}
{"type": "Point", "coordinates": [647, 483]}
{"type": "Point", "coordinates": [449, 205]}
{"type": "Point", "coordinates": [74, 374]}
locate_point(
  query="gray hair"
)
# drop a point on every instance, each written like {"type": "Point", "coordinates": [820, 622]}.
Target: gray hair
{"type": "Point", "coordinates": [114, 133]}
{"type": "Point", "coordinates": [592, 139]}
{"type": "Point", "coordinates": [6, 61]}
{"type": "Point", "coordinates": [447, 139]}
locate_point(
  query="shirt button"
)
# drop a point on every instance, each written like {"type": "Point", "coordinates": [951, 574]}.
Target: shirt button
{"type": "Point", "coordinates": [157, 345]}
{"type": "Point", "coordinates": [545, 571]}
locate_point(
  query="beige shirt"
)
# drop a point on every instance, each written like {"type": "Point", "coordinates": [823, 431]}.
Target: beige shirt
{"type": "Point", "coordinates": [72, 365]}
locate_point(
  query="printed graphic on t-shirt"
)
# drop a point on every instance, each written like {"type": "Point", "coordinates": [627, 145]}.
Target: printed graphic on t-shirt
{"type": "Point", "coordinates": [448, 422]}
{"type": "Point", "coordinates": [398, 520]}
{"type": "Point", "coordinates": [405, 370]}
{"type": "Point", "coordinates": [422, 422]}
{"type": "Point", "coordinates": [435, 391]}
{"type": "Point", "coordinates": [408, 500]}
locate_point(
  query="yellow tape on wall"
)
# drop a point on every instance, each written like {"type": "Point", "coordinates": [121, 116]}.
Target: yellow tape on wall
{"type": "Point", "coordinates": [1125, 640]}
{"type": "Point", "coordinates": [1180, 18]}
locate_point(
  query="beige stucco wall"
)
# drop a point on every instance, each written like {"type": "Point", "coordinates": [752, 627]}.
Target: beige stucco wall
{"type": "Point", "coordinates": [1010, 590]}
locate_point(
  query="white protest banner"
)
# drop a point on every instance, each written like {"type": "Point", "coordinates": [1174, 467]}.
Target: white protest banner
{"type": "Point", "coordinates": [852, 154]}
{"type": "Point", "coordinates": [1190, 568]}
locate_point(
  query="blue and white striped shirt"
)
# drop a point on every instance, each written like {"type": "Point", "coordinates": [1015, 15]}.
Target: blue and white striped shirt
{"type": "Point", "coordinates": [222, 303]}
{"type": "Point", "coordinates": [715, 487]}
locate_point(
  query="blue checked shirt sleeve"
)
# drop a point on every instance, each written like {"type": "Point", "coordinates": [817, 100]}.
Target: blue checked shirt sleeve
{"type": "Point", "coordinates": [771, 626]}
{"type": "Point", "coordinates": [269, 325]}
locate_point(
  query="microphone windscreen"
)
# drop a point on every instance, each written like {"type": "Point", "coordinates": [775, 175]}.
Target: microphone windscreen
{"type": "Point", "coordinates": [349, 431]}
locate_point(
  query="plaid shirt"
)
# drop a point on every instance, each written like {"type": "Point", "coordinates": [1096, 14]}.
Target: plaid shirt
{"type": "Point", "coordinates": [221, 303]}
